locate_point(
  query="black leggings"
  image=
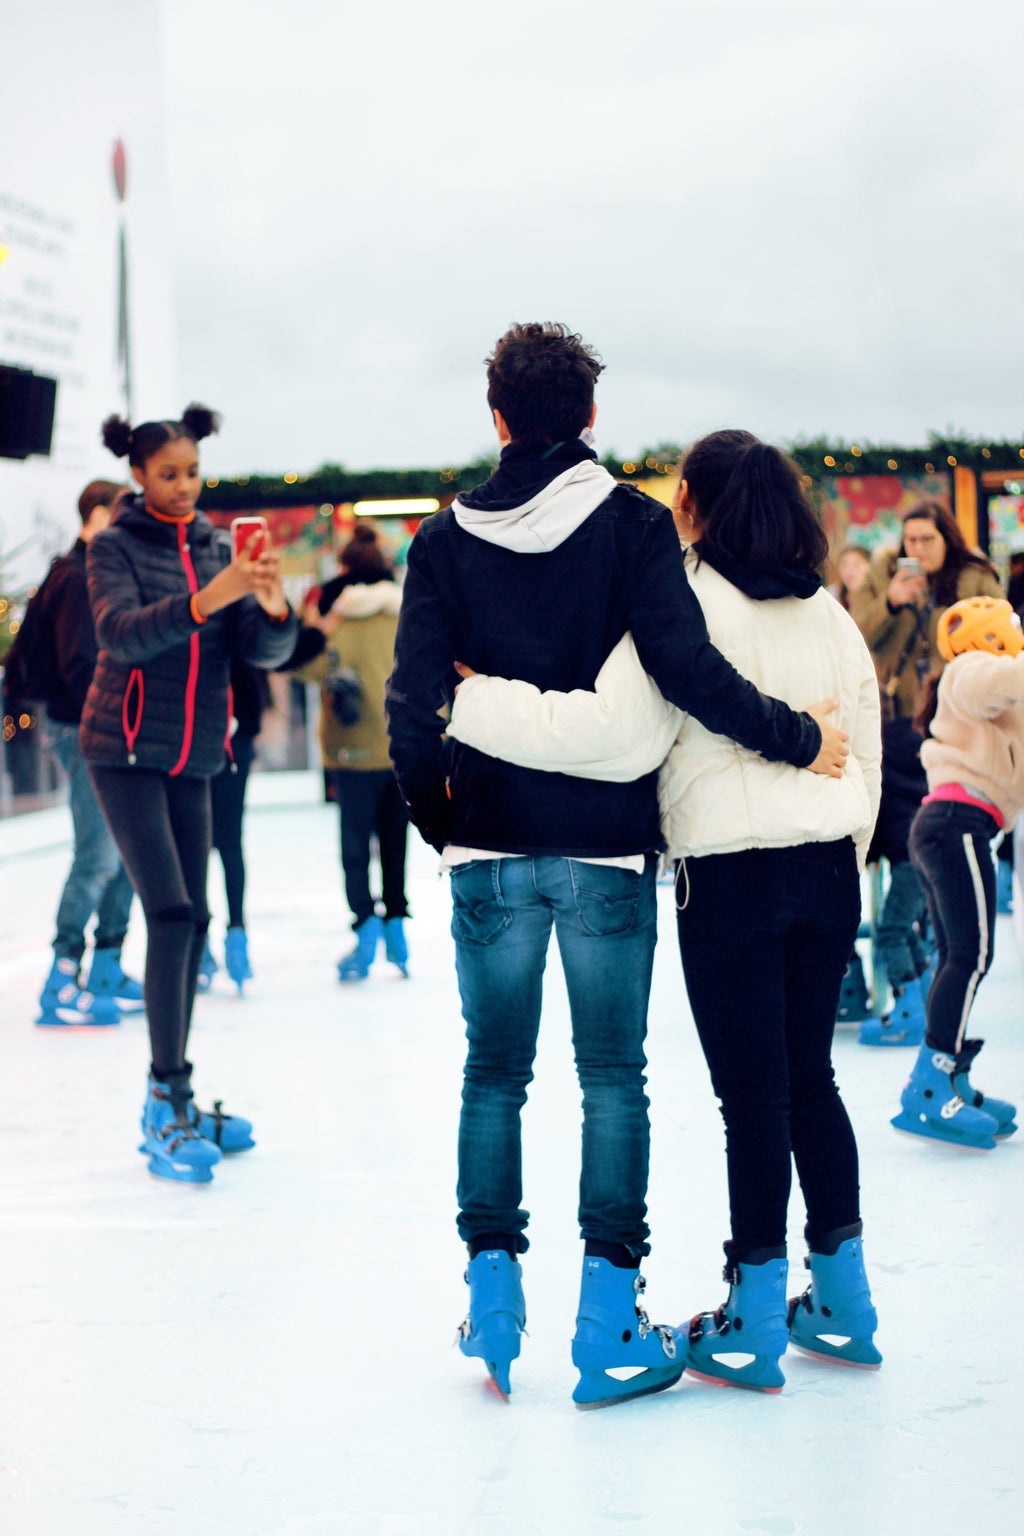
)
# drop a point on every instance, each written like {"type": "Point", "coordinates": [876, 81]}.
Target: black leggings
{"type": "Point", "coordinates": [765, 936]}
{"type": "Point", "coordinates": [161, 826]}
{"type": "Point", "coordinates": [371, 806]}
{"type": "Point", "coordinates": [227, 798]}
{"type": "Point", "coordinates": [950, 845]}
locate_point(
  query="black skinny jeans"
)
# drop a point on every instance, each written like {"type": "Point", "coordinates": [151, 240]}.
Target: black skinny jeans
{"type": "Point", "coordinates": [371, 806]}
{"type": "Point", "coordinates": [765, 937]}
{"type": "Point", "coordinates": [162, 830]}
{"type": "Point", "coordinates": [950, 849]}
{"type": "Point", "coordinates": [227, 802]}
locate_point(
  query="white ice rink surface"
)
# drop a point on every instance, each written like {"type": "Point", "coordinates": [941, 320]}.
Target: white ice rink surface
{"type": "Point", "coordinates": [272, 1355]}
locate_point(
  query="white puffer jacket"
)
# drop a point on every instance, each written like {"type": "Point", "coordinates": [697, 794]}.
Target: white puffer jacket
{"type": "Point", "coordinates": [715, 796]}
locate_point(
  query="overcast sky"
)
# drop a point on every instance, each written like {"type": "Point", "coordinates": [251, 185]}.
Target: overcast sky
{"type": "Point", "coordinates": [798, 218]}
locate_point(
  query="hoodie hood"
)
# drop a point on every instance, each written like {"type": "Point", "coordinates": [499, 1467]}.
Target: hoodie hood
{"type": "Point", "coordinates": [760, 585]}
{"type": "Point", "coordinates": [537, 498]}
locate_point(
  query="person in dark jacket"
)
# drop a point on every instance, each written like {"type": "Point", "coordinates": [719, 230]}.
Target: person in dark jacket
{"type": "Point", "coordinates": [250, 696]}
{"type": "Point", "coordinates": [172, 608]}
{"type": "Point", "coordinates": [538, 574]}
{"type": "Point", "coordinates": [97, 881]}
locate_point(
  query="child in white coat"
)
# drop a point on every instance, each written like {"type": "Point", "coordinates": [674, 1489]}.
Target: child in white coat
{"type": "Point", "coordinates": [974, 759]}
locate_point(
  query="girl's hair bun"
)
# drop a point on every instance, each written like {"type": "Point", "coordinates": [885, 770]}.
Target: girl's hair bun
{"type": "Point", "coordinates": [199, 421]}
{"type": "Point", "coordinates": [364, 533]}
{"type": "Point", "coordinates": [117, 436]}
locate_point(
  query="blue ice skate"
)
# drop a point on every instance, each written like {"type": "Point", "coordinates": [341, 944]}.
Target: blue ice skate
{"type": "Point", "coordinates": [107, 979]}
{"type": "Point", "coordinates": [618, 1352]}
{"type": "Point", "coordinates": [356, 965]}
{"type": "Point", "coordinates": [1004, 886]}
{"type": "Point", "coordinates": [171, 1141]}
{"type": "Point", "coordinates": [854, 1003]}
{"type": "Point", "coordinates": [236, 957]}
{"type": "Point", "coordinates": [396, 946]}
{"type": "Point", "coordinates": [1004, 1113]}
{"type": "Point", "coordinates": [63, 1003]}
{"type": "Point", "coordinates": [741, 1343]}
{"type": "Point", "coordinates": [231, 1133]}
{"type": "Point", "coordinates": [904, 1025]}
{"type": "Point", "coordinates": [932, 1107]}
{"type": "Point", "coordinates": [497, 1314]}
{"type": "Point", "coordinates": [208, 968]}
{"type": "Point", "coordinates": [834, 1319]}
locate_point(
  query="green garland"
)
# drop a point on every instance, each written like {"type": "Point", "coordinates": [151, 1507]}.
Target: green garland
{"type": "Point", "coordinates": [819, 458]}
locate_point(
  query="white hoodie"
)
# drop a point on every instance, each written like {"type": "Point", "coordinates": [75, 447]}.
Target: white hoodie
{"type": "Point", "coordinates": [716, 796]}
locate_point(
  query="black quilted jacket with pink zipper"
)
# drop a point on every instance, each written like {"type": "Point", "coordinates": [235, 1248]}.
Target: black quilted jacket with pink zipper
{"type": "Point", "coordinates": [160, 695]}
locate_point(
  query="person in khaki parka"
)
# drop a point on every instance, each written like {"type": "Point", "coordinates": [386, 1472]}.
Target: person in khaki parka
{"type": "Point", "coordinates": [899, 613]}
{"type": "Point", "coordinates": [353, 630]}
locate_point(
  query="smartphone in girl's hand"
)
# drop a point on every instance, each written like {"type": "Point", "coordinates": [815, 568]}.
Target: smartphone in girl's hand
{"type": "Point", "coordinates": [242, 530]}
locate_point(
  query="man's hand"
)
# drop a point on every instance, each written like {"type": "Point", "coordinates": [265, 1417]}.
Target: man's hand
{"type": "Point", "coordinates": [834, 750]}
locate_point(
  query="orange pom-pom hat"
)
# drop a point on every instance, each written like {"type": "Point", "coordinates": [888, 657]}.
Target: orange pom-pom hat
{"type": "Point", "coordinates": [980, 624]}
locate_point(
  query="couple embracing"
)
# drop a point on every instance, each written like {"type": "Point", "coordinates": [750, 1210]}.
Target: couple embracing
{"type": "Point", "coordinates": [623, 693]}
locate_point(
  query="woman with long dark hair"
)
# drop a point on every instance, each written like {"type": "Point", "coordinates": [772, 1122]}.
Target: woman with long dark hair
{"type": "Point", "coordinates": [898, 609]}
{"type": "Point", "coordinates": [768, 892]}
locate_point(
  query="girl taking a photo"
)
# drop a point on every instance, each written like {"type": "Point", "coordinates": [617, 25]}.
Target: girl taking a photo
{"type": "Point", "coordinates": [172, 607]}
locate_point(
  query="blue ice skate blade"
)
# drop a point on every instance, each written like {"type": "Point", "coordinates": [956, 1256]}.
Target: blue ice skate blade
{"type": "Point", "coordinates": [50, 1018]}
{"type": "Point", "coordinates": [497, 1344]}
{"type": "Point", "coordinates": [861, 1354]}
{"type": "Point", "coordinates": [162, 1168]}
{"type": "Point", "coordinates": [883, 1033]}
{"type": "Point", "coordinates": [920, 1125]}
{"type": "Point", "coordinates": [762, 1374]}
{"type": "Point", "coordinates": [600, 1389]}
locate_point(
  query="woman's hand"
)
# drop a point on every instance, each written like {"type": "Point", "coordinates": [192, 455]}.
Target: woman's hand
{"type": "Point", "coordinates": [906, 590]}
{"type": "Point", "coordinates": [834, 749]}
{"type": "Point", "coordinates": [269, 588]}
{"type": "Point", "coordinates": [463, 671]}
{"type": "Point", "coordinates": [248, 572]}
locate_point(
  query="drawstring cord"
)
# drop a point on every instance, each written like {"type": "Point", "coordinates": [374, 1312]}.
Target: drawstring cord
{"type": "Point", "coordinates": [681, 868]}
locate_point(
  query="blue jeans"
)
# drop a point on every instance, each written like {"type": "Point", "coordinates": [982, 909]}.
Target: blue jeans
{"type": "Point", "coordinates": [605, 922]}
{"type": "Point", "coordinates": [97, 881]}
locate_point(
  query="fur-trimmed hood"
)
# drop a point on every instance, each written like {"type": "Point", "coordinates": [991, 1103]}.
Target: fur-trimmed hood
{"type": "Point", "coordinates": [364, 600]}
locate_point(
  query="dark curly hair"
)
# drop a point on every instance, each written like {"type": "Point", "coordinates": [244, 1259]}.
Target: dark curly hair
{"type": "Point", "coordinates": [541, 378]}
{"type": "Point", "coordinates": [140, 443]}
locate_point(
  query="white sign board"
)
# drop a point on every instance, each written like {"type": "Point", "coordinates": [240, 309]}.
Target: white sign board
{"type": "Point", "coordinates": [77, 80]}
